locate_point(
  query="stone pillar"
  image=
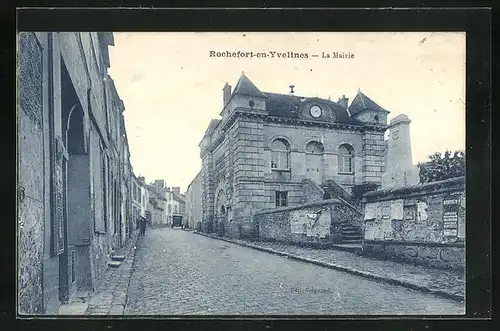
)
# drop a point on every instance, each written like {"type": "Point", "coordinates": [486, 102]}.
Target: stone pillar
{"type": "Point", "coordinates": [248, 156]}
{"type": "Point", "coordinates": [207, 190]}
{"type": "Point", "coordinates": [400, 171]}
{"type": "Point", "coordinates": [373, 156]}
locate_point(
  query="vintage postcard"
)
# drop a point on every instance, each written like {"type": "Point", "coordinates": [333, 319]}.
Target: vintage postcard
{"type": "Point", "coordinates": [241, 173]}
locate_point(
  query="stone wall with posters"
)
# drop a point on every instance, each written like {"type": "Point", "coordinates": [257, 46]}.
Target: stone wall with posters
{"type": "Point", "coordinates": [424, 224]}
{"type": "Point", "coordinates": [309, 223]}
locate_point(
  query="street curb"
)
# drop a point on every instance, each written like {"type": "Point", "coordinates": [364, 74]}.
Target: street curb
{"type": "Point", "coordinates": [365, 274]}
{"type": "Point", "coordinates": [131, 258]}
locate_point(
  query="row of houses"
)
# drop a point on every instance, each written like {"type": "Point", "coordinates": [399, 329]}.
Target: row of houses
{"type": "Point", "coordinates": [166, 205]}
{"type": "Point", "coordinates": [78, 197]}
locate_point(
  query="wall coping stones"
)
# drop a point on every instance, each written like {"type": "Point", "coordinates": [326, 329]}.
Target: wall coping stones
{"type": "Point", "coordinates": [297, 207]}
{"type": "Point", "coordinates": [451, 184]}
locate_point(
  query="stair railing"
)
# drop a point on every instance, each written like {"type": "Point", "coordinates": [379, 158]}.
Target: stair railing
{"type": "Point", "coordinates": [350, 206]}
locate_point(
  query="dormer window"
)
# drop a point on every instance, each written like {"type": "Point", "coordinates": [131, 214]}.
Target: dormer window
{"type": "Point", "coordinates": [376, 119]}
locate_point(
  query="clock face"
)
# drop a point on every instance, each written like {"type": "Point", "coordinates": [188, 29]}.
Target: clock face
{"type": "Point", "coordinates": [315, 111]}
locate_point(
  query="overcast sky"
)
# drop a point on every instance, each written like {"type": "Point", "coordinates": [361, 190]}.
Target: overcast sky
{"type": "Point", "coordinates": [171, 87]}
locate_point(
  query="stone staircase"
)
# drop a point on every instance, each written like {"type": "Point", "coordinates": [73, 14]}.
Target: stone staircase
{"type": "Point", "coordinates": [351, 234]}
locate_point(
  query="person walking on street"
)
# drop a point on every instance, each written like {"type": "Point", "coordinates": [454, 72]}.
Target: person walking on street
{"type": "Point", "coordinates": [142, 227]}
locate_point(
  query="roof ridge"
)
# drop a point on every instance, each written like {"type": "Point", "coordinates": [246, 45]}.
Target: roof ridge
{"type": "Point", "coordinates": [246, 87]}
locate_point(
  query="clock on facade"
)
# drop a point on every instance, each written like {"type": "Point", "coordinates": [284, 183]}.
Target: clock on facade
{"type": "Point", "coordinates": [315, 111]}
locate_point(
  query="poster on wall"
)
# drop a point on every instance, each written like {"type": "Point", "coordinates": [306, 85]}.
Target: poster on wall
{"type": "Point", "coordinates": [450, 216]}
{"type": "Point", "coordinates": [370, 211]}
{"type": "Point", "coordinates": [422, 211]}
{"type": "Point", "coordinates": [397, 209]}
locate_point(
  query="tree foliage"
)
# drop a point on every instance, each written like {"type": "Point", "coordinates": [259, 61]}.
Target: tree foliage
{"type": "Point", "coordinates": [439, 167]}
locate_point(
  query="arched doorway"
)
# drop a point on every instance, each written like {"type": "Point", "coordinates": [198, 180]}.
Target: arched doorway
{"type": "Point", "coordinates": [75, 262]}
{"type": "Point", "coordinates": [314, 161]}
{"type": "Point", "coordinates": [220, 213]}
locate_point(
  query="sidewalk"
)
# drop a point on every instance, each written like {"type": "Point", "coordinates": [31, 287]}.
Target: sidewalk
{"type": "Point", "coordinates": [110, 296]}
{"type": "Point", "coordinates": [445, 283]}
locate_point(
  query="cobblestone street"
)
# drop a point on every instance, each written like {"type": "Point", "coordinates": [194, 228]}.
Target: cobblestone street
{"type": "Point", "coordinates": [180, 273]}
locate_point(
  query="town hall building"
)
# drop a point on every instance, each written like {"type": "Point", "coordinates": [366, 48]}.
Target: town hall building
{"type": "Point", "coordinates": [267, 150]}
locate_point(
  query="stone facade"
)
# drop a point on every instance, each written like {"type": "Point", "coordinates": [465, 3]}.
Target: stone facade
{"type": "Point", "coordinates": [317, 223]}
{"type": "Point", "coordinates": [74, 167]}
{"type": "Point", "coordinates": [400, 171]}
{"type": "Point", "coordinates": [193, 203]}
{"type": "Point", "coordinates": [422, 224]}
{"type": "Point", "coordinates": [31, 179]}
{"type": "Point", "coordinates": [266, 144]}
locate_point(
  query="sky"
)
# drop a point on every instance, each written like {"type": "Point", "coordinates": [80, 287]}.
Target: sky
{"type": "Point", "coordinates": [172, 87]}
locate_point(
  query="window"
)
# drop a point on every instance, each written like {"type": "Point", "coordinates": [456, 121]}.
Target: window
{"type": "Point", "coordinates": [346, 159]}
{"type": "Point", "coordinates": [281, 198]}
{"type": "Point", "coordinates": [280, 152]}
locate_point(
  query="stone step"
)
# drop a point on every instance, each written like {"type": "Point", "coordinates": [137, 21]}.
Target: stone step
{"type": "Point", "coordinates": [350, 227]}
{"type": "Point", "coordinates": [118, 257]}
{"type": "Point", "coordinates": [114, 264]}
{"type": "Point", "coordinates": [351, 235]}
{"type": "Point", "coordinates": [351, 241]}
{"type": "Point", "coordinates": [350, 231]}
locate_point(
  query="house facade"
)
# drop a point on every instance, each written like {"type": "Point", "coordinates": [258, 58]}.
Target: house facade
{"type": "Point", "coordinates": [176, 206]}
{"type": "Point", "coordinates": [193, 202]}
{"type": "Point", "coordinates": [265, 146]}
{"type": "Point", "coordinates": [73, 168]}
{"type": "Point", "coordinates": [157, 203]}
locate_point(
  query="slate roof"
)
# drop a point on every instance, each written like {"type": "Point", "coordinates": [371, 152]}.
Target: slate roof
{"type": "Point", "coordinates": [362, 102]}
{"type": "Point", "coordinates": [152, 189]}
{"type": "Point", "coordinates": [178, 197]}
{"type": "Point", "coordinates": [246, 87]}
{"type": "Point", "coordinates": [283, 105]}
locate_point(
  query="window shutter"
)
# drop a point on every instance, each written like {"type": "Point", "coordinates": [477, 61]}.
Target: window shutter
{"type": "Point", "coordinates": [58, 210]}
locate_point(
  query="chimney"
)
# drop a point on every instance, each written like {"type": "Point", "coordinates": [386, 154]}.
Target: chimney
{"type": "Point", "coordinates": [159, 183]}
{"type": "Point", "coordinates": [176, 190]}
{"type": "Point", "coordinates": [226, 91]}
{"type": "Point", "coordinates": [142, 179]}
{"type": "Point", "coordinates": [343, 101]}
{"type": "Point", "coordinates": [291, 89]}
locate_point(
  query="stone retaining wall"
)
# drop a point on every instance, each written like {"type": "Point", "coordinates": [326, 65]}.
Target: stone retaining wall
{"type": "Point", "coordinates": [424, 224]}
{"type": "Point", "coordinates": [315, 223]}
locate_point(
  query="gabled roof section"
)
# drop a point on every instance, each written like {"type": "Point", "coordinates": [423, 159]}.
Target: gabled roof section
{"type": "Point", "coordinates": [362, 102]}
{"type": "Point", "coordinates": [285, 105]}
{"type": "Point", "coordinates": [246, 87]}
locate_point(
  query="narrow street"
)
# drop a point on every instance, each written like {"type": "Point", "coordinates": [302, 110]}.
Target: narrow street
{"type": "Point", "coordinates": [177, 272]}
